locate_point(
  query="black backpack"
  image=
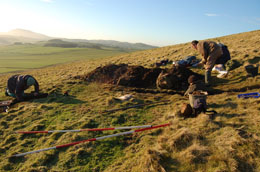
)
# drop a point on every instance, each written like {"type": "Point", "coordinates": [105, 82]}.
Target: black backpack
{"type": "Point", "coordinates": [225, 56]}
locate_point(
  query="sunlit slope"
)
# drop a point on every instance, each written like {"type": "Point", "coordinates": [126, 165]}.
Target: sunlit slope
{"type": "Point", "coordinates": [24, 57]}
{"type": "Point", "coordinates": [228, 141]}
{"type": "Point", "coordinates": [243, 46]}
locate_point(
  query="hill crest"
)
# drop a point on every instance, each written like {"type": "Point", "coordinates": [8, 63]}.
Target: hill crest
{"type": "Point", "coordinates": [26, 36]}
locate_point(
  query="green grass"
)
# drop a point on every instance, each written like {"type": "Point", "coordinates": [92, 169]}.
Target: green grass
{"type": "Point", "coordinates": [24, 57]}
{"type": "Point", "coordinates": [82, 109]}
{"type": "Point", "coordinates": [227, 142]}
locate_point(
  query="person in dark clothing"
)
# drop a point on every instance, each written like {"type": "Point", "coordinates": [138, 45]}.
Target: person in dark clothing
{"type": "Point", "coordinates": [16, 85]}
{"type": "Point", "coordinates": [195, 85]}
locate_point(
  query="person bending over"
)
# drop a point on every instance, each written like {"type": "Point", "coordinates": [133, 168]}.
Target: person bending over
{"type": "Point", "coordinates": [210, 52]}
{"type": "Point", "coordinates": [17, 84]}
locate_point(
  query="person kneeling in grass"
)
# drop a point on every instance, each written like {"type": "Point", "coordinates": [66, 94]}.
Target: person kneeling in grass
{"type": "Point", "coordinates": [17, 84]}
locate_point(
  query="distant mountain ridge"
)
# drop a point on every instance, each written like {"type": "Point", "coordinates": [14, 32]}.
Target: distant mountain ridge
{"type": "Point", "coordinates": [26, 36]}
{"type": "Point", "coordinates": [116, 44]}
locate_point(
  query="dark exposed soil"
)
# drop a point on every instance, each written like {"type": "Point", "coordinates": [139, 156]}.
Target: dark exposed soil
{"type": "Point", "coordinates": [137, 76]}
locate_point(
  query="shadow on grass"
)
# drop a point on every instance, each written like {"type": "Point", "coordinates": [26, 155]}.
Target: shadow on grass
{"type": "Point", "coordinates": [241, 79]}
{"type": "Point", "coordinates": [244, 89]}
{"type": "Point", "coordinates": [213, 91]}
{"type": "Point", "coordinates": [255, 60]}
{"type": "Point", "coordinates": [60, 98]}
{"type": "Point", "coordinates": [50, 159]}
{"type": "Point", "coordinates": [225, 123]}
{"type": "Point", "coordinates": [16, 159]}
{"type": "Point", "coordinates": [229, 115]}
{"type": "Point", "coordinates": [218, 81]}
{"type": "Point", "coordinates": [228, 104]}
{"type": "Point", "coordinates": [170, 164]}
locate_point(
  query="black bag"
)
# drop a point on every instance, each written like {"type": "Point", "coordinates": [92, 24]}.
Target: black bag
{"type": "Point", "coordinates": [225, 56]}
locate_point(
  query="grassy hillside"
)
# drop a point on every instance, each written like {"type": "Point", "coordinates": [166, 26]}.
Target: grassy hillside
{"type": "Point", "coordinates": [30, 56]}
{"type": "Point", "coordinates": [227, 142]}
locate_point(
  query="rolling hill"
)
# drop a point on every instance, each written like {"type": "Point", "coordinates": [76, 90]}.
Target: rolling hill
{"type": "Point", "coordinates": [228, 141]}
{"type": "Point", "coordinates": [117, 44]}
{"type": "Point", "coordinates": [23, 57]}
{"type": "Point", "coordinates": [21, 35]}
{"type": "Point", "coordinates": [26, 36]}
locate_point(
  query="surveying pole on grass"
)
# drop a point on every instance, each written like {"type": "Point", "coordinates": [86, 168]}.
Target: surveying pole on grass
{"type": "Point", "coordinates": [80, 130]}
{"type": "Point", "coordinates": [93, 139]}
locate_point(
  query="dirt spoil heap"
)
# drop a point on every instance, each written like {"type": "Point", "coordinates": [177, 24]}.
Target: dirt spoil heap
{"type": "Point", "coordinates": [140, 77]}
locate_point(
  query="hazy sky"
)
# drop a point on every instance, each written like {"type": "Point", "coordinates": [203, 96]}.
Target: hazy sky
{"type": "Point", "coordinates": [156, 22]}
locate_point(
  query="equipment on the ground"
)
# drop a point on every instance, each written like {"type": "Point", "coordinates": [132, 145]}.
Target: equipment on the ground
{"type": "Point", "coordinates": [197, 98]}
{"type": "Point", "coordinates": [249, 95]}
{"type": "Point", "coordinates": [252, 70]}
{"type": "Point", "coordinates": [187, 61]}
{"type": "Point", "coordinates": [80, 130]}
{"type": "Point", "coordinates": [4, 105]}
{"type": "Point", "coordinates": [89, 140]}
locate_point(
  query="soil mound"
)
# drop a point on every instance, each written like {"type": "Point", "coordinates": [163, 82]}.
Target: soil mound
{"type": "Point", "coordinates": [175, 78]}
{"type": "Point", "coordinates": [107, 74]}
{"type": "Point", "coordinates": [140, 77]}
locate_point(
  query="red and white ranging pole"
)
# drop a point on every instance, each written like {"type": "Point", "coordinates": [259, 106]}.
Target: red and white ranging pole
{"type": "Point", "coordinates": [89, 140]}
{"type": "Point", "coordinates": [80, 130]}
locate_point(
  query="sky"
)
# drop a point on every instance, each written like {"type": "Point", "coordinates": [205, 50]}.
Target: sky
{"type": "Point", "coordinates": [155, 22]}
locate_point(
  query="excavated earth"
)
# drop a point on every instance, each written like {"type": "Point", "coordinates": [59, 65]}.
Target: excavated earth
{"type": "Point", "coordinates": [137, 76]}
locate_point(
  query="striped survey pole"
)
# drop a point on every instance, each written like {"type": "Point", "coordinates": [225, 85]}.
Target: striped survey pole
{"type": "Point", "coordinates": [80, 130]}
{"type": "Point", "coordinates": [93, 139]}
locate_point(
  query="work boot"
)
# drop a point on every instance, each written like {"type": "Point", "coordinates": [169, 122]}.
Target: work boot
{"type": "Point", "coordinates": [207, 78]}
{"type": "Point", "coordinates": [6, 93]}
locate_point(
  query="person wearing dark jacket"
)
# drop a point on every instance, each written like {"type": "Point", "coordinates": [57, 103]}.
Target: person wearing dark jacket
{"type": "Point", "coordinates": [210, 51]}
{"type": "Point", "coordinates": [16, 85]}
{"type": "Point", "coordinates": [195, 85]}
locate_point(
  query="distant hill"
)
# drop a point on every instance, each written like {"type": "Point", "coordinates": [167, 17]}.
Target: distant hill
{"type": "Point", "coordinates": [72, 44]}
{"type": "Point", "coordinates": [20, 35]}
{"type": "Point", "coordinates": [116, 44]}
{"type": "Point", "coordinates": [26, 36]}
{"type": "Point", "coordinates": [60, 43]}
